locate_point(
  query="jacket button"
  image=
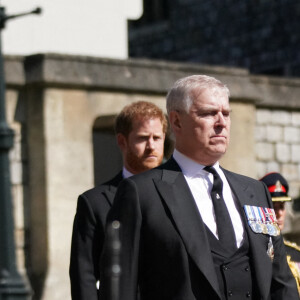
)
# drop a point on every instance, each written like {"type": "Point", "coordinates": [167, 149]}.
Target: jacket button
{"type": "Point", "coordinates": [225, 268]}
{"type": "Point", "coordinates": [230, 293]}
{"type": "Point", "coordinates": [248, 295]}
{"type": "Point", "coordinates": [247, 269]}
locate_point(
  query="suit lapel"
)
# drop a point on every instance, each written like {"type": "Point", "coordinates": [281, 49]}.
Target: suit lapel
{"type": "Point", "coordinates": [110, 192]}
{"type": "Point", "coordinates": [177, 196]}
{"type": "Point", "coordinates": [262, 265]}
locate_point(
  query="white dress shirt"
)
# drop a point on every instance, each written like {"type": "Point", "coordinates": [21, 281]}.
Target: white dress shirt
{"type": "Point", "coordinates": [126, 173]}
{"type": "Point", "coordinates": [200, 183]}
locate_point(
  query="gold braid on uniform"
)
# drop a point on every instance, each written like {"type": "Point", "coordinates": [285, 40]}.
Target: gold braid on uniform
{"type": "Point", "coordinates": [292, 245]}
{"type": "Point", "coordinates": [293, 265]}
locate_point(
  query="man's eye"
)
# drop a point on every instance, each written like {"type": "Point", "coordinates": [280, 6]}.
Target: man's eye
{"type": "Point", "coordinates": [143, 138]}
{"type": "Point", "coordinates": [207, 114]}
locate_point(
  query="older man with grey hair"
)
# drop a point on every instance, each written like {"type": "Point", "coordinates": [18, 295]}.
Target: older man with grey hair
{"type": "Point", "coordinates": [191, 229]}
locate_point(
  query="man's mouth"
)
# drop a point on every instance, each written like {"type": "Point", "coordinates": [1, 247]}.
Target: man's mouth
{"type": "Point", "coordinates": [219, 137]}
{"type": "Point", "coordinates": [151, 156]}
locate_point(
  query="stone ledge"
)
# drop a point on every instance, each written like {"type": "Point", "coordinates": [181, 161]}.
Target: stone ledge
{"type": "Point", "coordinates": [147, 76]}
{"type": "Point", "coordinates": [134, 75]}
{"type": "Point", "coordinates": [14, 70]}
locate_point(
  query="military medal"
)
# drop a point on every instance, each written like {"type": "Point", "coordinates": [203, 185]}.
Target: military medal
{"type": "Point", "coordinates": [272, 216]}
{"type": "Point", "coordinates": [259, 228]}
{"type": "Point", "coordinates": [270, 225]}
{"type": "Point", "coordinates": [270, 250]}
{"type": "Point", "coordinates": [252, 219]}
{"type": "Point", "coordinates": [262, 220]}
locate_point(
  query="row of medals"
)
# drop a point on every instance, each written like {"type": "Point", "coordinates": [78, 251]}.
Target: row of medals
{"type": "Point", "coordinates": [270, 228]}
{"type": "Point", "coordinates": [266, 225]}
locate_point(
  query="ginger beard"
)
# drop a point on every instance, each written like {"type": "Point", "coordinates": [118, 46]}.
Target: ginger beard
{"type": "Point", "coordinates": [140, 162]}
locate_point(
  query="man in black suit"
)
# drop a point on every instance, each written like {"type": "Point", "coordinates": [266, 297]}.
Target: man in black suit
{"type": "Point", "coordinates": [140, 131]}
{"type": "Point", "coordinates": [191, 229]}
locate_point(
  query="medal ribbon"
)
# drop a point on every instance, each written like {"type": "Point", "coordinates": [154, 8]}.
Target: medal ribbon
{"type": "Point", "coordinates": [248, 211]}
{"type": "Point", "coordinates": [272, 215]}
{"type": "Point", "coordinates": [256, 212]}
{"type": "Point", "coordinates": [262, 214]}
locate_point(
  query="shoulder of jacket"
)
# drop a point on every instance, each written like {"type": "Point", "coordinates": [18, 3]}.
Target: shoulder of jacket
{"type": "Point", "coordinates": [292, 245]}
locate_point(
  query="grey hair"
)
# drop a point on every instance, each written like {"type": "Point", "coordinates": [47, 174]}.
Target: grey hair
{"type": "Point", "coordinates": [180, 96]}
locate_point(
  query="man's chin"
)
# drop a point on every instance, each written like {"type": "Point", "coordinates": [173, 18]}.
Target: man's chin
{"type": "Point", "coordinates": [151, 164]}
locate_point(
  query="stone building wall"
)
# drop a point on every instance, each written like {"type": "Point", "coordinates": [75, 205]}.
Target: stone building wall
{"type": "Point", "coordinates": [55, 102]}
{"type": "Point", "coordinates": [262, 36]}
{"type": "Point", "coordinates": [277, 138]}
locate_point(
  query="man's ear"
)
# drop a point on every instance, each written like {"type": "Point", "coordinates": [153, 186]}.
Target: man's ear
{"type": "Point", "coordinates": [175, 121]}
{"type": "Point", "coordinates": [121, 141]}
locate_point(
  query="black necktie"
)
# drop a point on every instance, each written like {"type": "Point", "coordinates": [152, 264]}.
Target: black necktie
{"type": "Point", "coordinates": [223, 220]}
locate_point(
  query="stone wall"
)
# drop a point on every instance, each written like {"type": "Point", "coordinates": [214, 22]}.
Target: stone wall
{"type": "Point", "coordinates": [277, 137]}
{"type": "Point", "coordinates": [55, 103]}
{"type": "Point", "coordinates": [259, 35]}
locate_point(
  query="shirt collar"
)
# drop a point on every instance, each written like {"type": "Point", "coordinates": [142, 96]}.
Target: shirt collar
{"type": "Point", "coordinates": [189, 167]}
{"type": "Point", "coordinates": [126, 173]}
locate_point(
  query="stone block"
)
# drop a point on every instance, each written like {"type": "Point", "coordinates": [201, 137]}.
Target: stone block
{"type": "Point", "coordinates": [296, 118]}
{"type": "Point", "coordinates": [281, 117]}
{"type": "Point", "coordinates": [17, 198]}
{"type": "Point", "coordinates": [274, 133]}
{"type": "Point", "coordinates": [273, 166]}
{"type": "Point", "coordinates": [263, 116]}
{"type": "Point", "coordinates": [283, 152]}
{"type": "Point", "coordinates": [16, 172]}
{"type": "Point", "coordinates": [264, 151]}
{"type": "Point", "coordinates": [15, 152]}
{"type": "Point", "coordinates": [295, 153]}
{"type": "Point", "coordinates": [290, 171]}
{"type": "Point", "coordinates": [260, 133]}
{"type": "Point", "coordinates": [291, 134]}
{"type": "Point", "coordinates": [261, 168]}
{"type": "Point", "coordinates": [294, 189]}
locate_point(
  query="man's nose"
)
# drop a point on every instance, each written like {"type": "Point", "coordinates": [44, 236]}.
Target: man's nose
{"type": "Point", "coordinates": [221, 119]}
{"type": "Point", "coordinates": [150, 143]}
{"type": "Point", "coordinates": [279, 214]}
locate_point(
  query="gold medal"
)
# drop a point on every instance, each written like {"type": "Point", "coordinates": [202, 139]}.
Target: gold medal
{"type": "Point", "coordinates": [264, 228]}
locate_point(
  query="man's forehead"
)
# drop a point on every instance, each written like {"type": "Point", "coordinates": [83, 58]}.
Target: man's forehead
{"type": "Point", "coordinates": [140, 123]}
{"type": "Point", "coordinates": [145, 119]}
{"type": "Point", "coordinates": [214, 91]}
{"type": "Point", "coordinates": [207, 105]}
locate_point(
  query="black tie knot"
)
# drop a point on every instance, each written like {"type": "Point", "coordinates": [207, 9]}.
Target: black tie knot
{"type": "Point", "coordinates": [218, 183]}
{"type": "Point", "coordinates": [210, 169]}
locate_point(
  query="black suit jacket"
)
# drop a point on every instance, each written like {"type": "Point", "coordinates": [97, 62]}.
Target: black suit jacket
{"type": "Point", "coordinates": [88, 237]}
{"type": "Point", "coordinates": [165, 249]}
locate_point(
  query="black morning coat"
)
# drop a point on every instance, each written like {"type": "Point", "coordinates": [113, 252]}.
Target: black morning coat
{"type": "Point", "coordinates": [88, 238]}
{"type": "Point", "coordinates": [165, 249]}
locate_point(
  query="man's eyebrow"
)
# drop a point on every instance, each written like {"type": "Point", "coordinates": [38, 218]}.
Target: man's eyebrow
{"type": "Point", "coordinates": [212, 108]}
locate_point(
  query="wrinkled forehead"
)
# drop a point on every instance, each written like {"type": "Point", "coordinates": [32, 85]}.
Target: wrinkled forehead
{"type": "Point", "coordinates": [210, 97]}
{"type": "Point", "coordinates": [214, 91]}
